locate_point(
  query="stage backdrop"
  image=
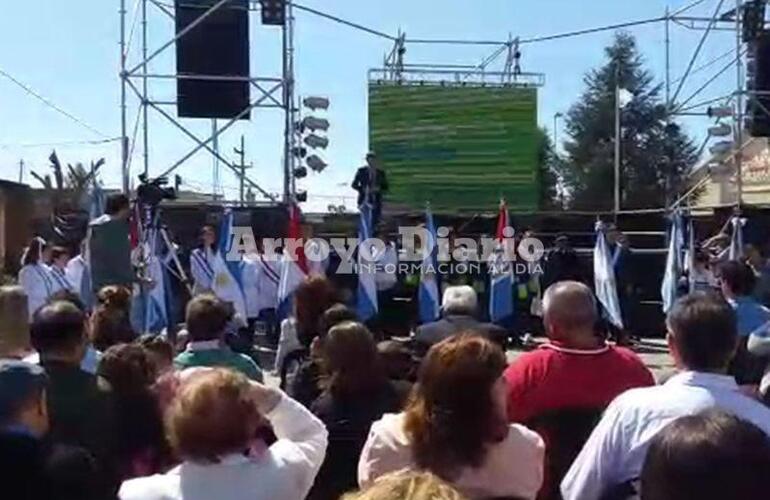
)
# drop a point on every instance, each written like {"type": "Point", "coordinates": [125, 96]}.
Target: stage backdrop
{"type": "Point", "coordinates": [459, 147]}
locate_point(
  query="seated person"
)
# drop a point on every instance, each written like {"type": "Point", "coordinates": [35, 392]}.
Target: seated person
{"type": "Point", "coordinates": [459, 308]}
{"type": "Point", "coordinates": [33, 467]}
{"type": "Point", "coordinates": [214, 424]}
{"type": "Point", "coordinates": [207, 318]}
{"type": "Point", "coordinates": [561, 389]}
{"type": "Point", "coordinates": [702, 338]}
{"type": "Point", "coordinates": [709, 456]}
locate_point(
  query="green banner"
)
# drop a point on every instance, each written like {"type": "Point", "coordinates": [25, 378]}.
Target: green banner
{"type": "Point", "coordinates": [458, 147]}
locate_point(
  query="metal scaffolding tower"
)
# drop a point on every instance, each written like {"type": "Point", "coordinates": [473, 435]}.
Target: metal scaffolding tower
{"type": "Point", "coordinates": [275, 92]}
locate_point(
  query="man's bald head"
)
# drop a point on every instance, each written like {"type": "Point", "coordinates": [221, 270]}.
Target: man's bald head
{"type": "Point", "coordinates": [569, 310]}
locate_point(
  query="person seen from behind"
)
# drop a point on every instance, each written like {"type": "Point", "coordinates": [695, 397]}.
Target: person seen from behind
{"type": "Point", "coordinates": [14, 323]}
{"type": "Point", "coordinates": [111, 319]}
{"type": "Point", "coordinates": [312, 298]}
{"type": "Point", "coordinates": [408, 486]}
{"type": "Point", "coordinates": [569, 381]}
{"type": "Point", "coordinates": [306, 385]}
{"type": "Point", "coordinates": [79, 404]}
{"type": "Point", "coordinates": [33, 467]}
{"type": "Point", "coordinates": [140, 444]}
{"type": "Point", "coordinates": [702, 338]}
{"type": "Point", "coordinates": [212, 424]}
{"type": "Point", "coordinates": [356, 393]}
{"type": "Point", "coordinates": [455, 425]}
{"type": "Point", "coordinates": [709, 456]}
{"type": "Point", "coordinates": [737, 281]}
{"type": "Point", "coordinates": [206, 320]}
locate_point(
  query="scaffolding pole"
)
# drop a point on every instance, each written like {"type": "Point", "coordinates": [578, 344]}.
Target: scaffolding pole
{"type": "Point", "coordinates": [145, 91]}
{"type": "Point", "coordinates": [123, 96]}
{"type": "Point", "coordinates": [739, 104]}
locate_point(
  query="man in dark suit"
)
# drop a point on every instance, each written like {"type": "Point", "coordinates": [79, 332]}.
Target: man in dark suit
{"type": "Point", "coordinates": [459, 308]}
{"type": "Point", "coordinates": [370, 183]}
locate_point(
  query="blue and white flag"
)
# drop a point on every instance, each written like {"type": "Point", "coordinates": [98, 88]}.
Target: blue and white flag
{"type": "Point", "coordinates": [736, 241]}
{"type": "Point", "coordinates": [294, 269]}
{"type": "Point", "coordinates": [366, 298]}
{"type": "Point", "coordinates": [674, 263]}
{"type": "Point", "coordinates": [690, 256]}
{"type": "Point", "coordinates": [501, 272]}
{"type": "Point", "coordinates": [604, 278]}
{"type": "Point", "coordinates": [428, 299]}
{"type": "Point", "coordinates": [227, 274]}
{"type": "Point", "coordinates": [155, 311]}
{"type": "Point", "coordinates": [96, 201]}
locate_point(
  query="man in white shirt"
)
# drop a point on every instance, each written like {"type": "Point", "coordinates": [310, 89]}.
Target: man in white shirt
{"type": "Point", "coordinates": [702, 338]}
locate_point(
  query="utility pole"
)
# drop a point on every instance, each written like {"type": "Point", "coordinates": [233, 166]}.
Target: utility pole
{"type": "Point", "coordinates": [242, 167]}
{"type": "Point", "coordinates": [21, 171]}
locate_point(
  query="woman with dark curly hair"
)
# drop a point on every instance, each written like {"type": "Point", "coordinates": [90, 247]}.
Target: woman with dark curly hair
{"type": "Point", "coordinates": [141, 446]}
{"type": "Point", "coordinates": [455, 426]}
{"type": "Point", "coordinates": [311, 299]}
{"type": "Point", "coordinates": [111, 319]}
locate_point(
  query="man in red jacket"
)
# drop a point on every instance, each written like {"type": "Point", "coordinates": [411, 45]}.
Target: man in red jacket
{"type": "Point", "coordinates": [561, 389]}
{"type": "Point", "coordinates": [576, 369]}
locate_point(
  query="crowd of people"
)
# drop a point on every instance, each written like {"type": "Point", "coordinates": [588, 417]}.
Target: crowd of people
{"type": "Point", "coordinates": [91, 410]}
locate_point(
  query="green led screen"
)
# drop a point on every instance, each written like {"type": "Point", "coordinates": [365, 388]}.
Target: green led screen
{"type": "Point", "coordinates": [458, 147]}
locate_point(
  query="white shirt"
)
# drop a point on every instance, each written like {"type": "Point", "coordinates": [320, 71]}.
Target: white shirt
{"type": "Point", "coordinates": [250, 279]}
{"type": "Point", "coordinates": [615, 452]}
{"type": "Point", "coordinates": [269, 280]}
{"type": "Point", "coordinates": [38, 285]}
{"type": "Point", "coordinates": [387, 268]}
{"type": "Point", "coordinates": [288, 342]}
{"type": "Point", "coordinates": [59, 280]}
{"type": "Point", "coordinates": [285, 471]}
{"type": "Point", "coordinates": [76, 268]}
{"type": "Point", "coordinates": [512, 468]}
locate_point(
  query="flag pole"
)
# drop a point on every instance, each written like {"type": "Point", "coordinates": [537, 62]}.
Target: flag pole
{"type": "Point", "coordinates": [617, 141]}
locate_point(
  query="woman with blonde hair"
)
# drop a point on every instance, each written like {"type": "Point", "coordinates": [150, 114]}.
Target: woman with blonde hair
{"type": "Point", "coordinates": [456, 426]}
{"type": "Point", "coordinates": [408, 486]}
{"type": "Point", "coordinates": [214, 424]}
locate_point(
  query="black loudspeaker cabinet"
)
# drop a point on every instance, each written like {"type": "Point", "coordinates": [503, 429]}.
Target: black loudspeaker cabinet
{"type": "Point", "coordinates": [216, 47]}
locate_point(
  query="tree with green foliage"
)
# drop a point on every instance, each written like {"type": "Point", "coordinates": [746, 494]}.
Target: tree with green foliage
{"type": "Point", "coordinates": [548, 172]}
{"type": "Point", "coordinates": [655, 157]}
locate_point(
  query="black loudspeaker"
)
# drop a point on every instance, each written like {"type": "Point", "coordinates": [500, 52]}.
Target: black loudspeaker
{"type": "Point", "coordinates": [758, 86]}
{"type": "Point", "coordinates": [217, 46]}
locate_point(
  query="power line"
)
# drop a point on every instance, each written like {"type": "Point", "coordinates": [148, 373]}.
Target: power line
{"type": "Point", "coordinates": [706, 65]}
{"type": "Point", "coordinates": [59, 143]}
{"type": "Point", "coordinates": [343, 21]}
{"type": "Point", "coordinates": [50, 104]}
{"type": "Point", "coordinates": [610, 27]}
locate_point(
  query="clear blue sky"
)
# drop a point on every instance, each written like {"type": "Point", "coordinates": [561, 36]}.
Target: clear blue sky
{"type": "Point", "coordinates": [68, 51]}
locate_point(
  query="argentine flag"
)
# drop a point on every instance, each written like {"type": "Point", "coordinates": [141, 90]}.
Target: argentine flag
{"type": "Point", "coordinates": [736, 242]}
{"type": "Point", "coordinates": [155, 313]}
{"type": "Point", "coordinates": [366, 298]}
{"type": "Point", "coordinates": [294, 269]}
{"type": "Point", "coordinates": [501, 273]}
{"type": "Point", "coordinates": [674, 263]}
{"type": "Point", "coordinates": [604, 278]}
{"type": "Point", "coordinates": [227, 274]}
{"type": "Point", "coordinates": [428, 292]}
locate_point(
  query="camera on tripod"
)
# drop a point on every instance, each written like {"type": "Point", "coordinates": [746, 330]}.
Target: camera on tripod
{"type": "Point", "coordinates": [152, 191]}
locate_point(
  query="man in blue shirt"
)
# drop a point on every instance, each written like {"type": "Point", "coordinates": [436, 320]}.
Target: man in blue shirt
{"type": "Point", "coordinates": [737, 281]}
